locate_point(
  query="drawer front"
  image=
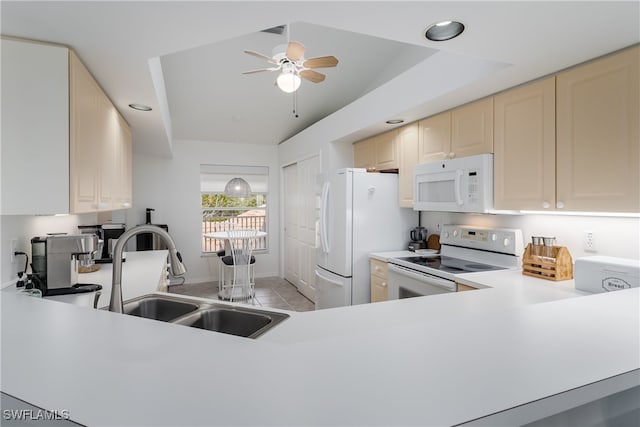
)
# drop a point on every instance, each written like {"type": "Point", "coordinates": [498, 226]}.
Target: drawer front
{"type": "Point", "coordinates": [379, 289]}
{"type": "Point", "coordinates": [379, 268]}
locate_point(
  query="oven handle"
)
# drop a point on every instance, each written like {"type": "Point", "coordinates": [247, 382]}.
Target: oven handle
{"type": "Point", "coordinates": [423, 277]}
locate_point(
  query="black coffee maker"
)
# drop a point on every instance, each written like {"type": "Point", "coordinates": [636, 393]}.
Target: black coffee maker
{"type": "Point", "coordinates": [108, 233]}
{"type": "Point", "coordinates": [418, 238]}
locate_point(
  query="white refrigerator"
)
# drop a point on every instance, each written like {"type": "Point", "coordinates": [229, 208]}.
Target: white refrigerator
{"type": "Point", "coordinates": [359, 214]}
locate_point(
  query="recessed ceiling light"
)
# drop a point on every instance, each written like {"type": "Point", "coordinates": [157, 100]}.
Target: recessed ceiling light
{"type": "Point", "coordinates": [445, 30]}
{"type": "Point", "coordinates": [394, 121]}
{"type": "Point", "coordinates": [140, 107]}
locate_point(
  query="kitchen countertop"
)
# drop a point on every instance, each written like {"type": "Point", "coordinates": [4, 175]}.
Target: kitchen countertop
{"type": "Point", "coordinates": [439, 360]}
{"type": "Point", "coordinates": [143, 272]}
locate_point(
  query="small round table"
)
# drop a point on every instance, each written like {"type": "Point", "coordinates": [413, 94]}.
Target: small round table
{"type": "Point", "coordinates": [224, 292]}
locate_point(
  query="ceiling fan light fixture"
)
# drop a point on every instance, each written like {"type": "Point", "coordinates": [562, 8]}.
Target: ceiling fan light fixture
{"type": "Point", "coordinates": [394, 121]}
{"type": "Point", "coordinates": [444, 30]}
{"type": "Point", "coordinates": [288, 82]}
{"type": "Point", "coordinates": [237, 187]}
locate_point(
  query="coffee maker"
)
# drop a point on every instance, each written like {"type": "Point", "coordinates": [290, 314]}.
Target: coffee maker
{"type": "Point", "coordinates": [418, 239]}
{"type": "Point", "coordinates": [55, 262]}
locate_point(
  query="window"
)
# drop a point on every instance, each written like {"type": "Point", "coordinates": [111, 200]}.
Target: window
{"type": "Point", "coordinates": [221, 212]}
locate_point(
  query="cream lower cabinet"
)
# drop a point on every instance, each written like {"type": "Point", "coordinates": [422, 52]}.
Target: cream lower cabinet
{"type": "Point", "coordinates": [379, 281]}
{"type": "Point", "coordinates": [461, 132]}
{"type": "Point", "coordinates": [598, 135]}
{"type": "Point", "coordinates": [408, 158]}
{"type": "Point", "coordinates": [525, 147]}
{"type": "Point", "coordinates": [379, 152]}
{"type": "Point", "coordinates": [100, 147]}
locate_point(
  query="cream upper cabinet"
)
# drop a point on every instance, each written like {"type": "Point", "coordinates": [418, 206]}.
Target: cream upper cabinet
{"type": "Point", "coordinates": [434, 137]}
{"type": "Point", "coordinates": [364, 154]}
{"type": "Point", "coordinates": [35, 128]}
{"type": "Point", "coordinates": [100, 147]}
{"type": "Point", "coordinates": [60, 127]}
{"type": "Point", "coordinates": [379, 152]}
{"type": "Point", "coordinates": [463, 131]}
{"type": "Point", "coordinates": [472, 129]}
{"type": "Point", "coordinates": [525, 147]}
{"type": "Point", "coordinates": [124, 163]}
{"type": "Point", "coordinates": [598, 135]}
{"type": "Point", "coordinates": [408, 158]}
{"type": "Point", "coordinates": [386, 148]}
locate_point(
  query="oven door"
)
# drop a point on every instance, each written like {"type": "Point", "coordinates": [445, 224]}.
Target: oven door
{"type": "Point", "coordinates": [407, 283]}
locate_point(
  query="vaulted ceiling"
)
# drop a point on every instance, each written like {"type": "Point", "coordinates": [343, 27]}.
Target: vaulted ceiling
{"type": "Point", "coordinates": [185, 59]}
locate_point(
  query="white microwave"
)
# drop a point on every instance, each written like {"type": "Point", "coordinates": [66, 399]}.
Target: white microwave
{"type": "Point", "coordinates": [455, 185]}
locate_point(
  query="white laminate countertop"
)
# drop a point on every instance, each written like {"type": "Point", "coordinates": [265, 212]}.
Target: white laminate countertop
{"type": "Point", "coordinates": [142, 273]}
{"type": "Point", "coordinates": [438, 360]}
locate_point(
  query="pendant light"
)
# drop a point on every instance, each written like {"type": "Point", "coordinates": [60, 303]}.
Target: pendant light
{"type": "Point", "coordinates": [237, 187]}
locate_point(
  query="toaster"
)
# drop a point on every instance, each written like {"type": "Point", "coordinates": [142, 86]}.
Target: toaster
{"type": "Point", "coordinates": [605, 274]}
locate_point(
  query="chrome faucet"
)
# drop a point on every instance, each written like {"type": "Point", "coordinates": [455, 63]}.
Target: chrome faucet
{"type": "Point", "coordinates": [176, 266]}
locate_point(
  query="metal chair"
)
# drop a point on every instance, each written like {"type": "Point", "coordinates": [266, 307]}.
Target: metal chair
{"type": "Point", "coordinates": [238, 281]}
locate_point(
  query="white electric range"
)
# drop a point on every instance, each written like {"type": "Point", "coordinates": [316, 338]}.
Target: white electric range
{"type": "Point", "coordinates": [464, 249]}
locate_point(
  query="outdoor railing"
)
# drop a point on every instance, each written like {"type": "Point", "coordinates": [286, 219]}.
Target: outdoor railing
{"type": "Point", "coordinates": [212, 224]}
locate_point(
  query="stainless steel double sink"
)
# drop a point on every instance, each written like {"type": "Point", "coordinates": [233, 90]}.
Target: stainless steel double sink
{"type": "Point", "coordinates": [241, 321]}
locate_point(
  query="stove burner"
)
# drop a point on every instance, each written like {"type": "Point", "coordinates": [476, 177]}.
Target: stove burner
{"type": "Point", "coordinates": [448, 264]}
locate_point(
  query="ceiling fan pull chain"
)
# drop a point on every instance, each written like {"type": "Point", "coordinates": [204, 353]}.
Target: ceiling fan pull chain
{"type": "Point", "coordinates": [295, 104]}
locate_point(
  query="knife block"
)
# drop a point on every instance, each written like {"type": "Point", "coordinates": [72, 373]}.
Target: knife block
{"type": "Point", "coordinates": [558, 266]}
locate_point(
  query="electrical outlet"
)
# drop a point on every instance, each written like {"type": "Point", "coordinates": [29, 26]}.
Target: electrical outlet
{"type": "Point", "coordinates": [13, 247]}
{"type": "Point", "coordinates": [589, 241]}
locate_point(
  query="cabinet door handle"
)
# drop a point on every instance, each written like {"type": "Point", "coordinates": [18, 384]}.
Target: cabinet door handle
{"type": "Point", "coordinates": [452, 155]}
{"type": "Point", "coordinates": [101, 205]}
{"type": "Point", "coordinates": [384, 284]}
{"type": "Point", "coordinates": [546, 205]}
{"type": "Point", "coordinates": [559, 205]}
{"type": "Point", "coordinates": [126, 205]}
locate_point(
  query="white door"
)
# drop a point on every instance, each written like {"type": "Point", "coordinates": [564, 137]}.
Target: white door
{"type": "Point", "coordinates": [300, 224]}
{"type": "Point", "coordinates": [291, 214]}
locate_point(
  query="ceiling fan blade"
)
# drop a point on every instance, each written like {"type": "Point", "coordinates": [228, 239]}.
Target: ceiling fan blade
{"type": "Point", "coordinates": [259, 71]}
{"type": "Point", "coordinates": [295, 50]}
{"type": "Point", "coordinates": [259, 55]}
{"type": "Point", "coordinates": [312, 76]}
{"type": "Point", "coordinates": [321, 62]}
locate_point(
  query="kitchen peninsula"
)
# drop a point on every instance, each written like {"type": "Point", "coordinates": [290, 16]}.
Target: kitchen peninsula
{"type": "Point", "coordinates": [516, 344]}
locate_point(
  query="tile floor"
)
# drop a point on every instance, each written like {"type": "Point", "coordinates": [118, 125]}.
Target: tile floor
{"type": "Point", "coordinates": [273, 292]}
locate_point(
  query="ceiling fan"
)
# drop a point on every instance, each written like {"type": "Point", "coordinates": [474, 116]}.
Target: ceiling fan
{"type": "Point", "coordinates": [293, 66]}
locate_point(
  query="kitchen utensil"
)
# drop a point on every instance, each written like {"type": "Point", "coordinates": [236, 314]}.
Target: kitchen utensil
{"type": "Point", "coordinates": [433, 242]}
{"type": "Point", "coordinates": [418, 234]}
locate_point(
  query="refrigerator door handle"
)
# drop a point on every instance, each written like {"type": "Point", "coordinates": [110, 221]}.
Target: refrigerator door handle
{"type": "Point", "coordinates": [324, 239]}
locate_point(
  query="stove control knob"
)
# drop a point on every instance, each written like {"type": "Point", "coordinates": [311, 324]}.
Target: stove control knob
{"type": "Point", "coordinates": [455, 233]}
{"type": "Point", "coordinates": [446, 234]}
{"type": "Point", "coordinates": [494, 237]}
{"type": "Point", "coordinates": [506, 241]}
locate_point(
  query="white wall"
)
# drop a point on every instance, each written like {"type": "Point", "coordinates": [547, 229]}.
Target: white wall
{"type": "Point", "coordinates": [23, 228]}
{"type": "Point", "coordinates": [614, 236]}
{"type": "Point", "coordinates": [172, 188]}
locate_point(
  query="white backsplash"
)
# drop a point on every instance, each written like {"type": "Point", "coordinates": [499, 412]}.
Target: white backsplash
{"type": "Point", "coordinates": [613, 236]}
{"type": "Point", "coordinates": [23, 228]}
